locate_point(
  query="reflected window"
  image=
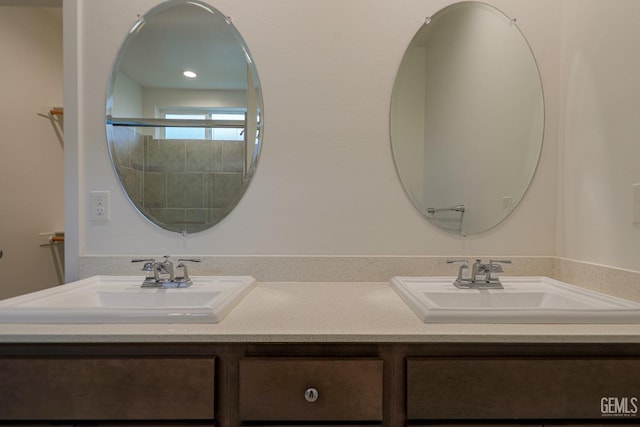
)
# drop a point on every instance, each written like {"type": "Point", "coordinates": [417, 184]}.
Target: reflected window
{"type": "Point", "coordinates": [235, 133]}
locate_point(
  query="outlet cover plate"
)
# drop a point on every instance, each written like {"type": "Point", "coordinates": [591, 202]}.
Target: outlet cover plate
{"type": "Point", "coordinates": [100, 206]}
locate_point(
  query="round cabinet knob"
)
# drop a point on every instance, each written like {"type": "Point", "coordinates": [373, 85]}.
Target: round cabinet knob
{"type": "Point", "coordinates": [311, 394]}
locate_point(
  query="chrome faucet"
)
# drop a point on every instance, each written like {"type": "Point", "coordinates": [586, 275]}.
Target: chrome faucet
{"type": "Point", "coordinates": [481, 274]}
{"type": "Point", "coordinates": [162, 274]}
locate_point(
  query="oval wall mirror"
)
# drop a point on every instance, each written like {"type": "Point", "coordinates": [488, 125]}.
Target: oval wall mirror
{"type": "Point", "coordinates": [184, 116]}
{"type": "Point", "coordinates": [467, 118]}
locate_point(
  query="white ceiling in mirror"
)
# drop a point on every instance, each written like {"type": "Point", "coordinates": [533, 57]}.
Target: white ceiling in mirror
{"type": "Point", "coordinates": [467, 118]}
{"type": "Point", "coordinates": [187, 33]}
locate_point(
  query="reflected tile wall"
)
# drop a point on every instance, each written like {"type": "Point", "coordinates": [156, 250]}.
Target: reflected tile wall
{"type": "Point", "coordinates": [128, 157]}
{"type": "Point", "coordinates": [179, 181]}
{"type": "Point", "coordinates": [233, 156]}
{"type": "Point", "coordinates": [222, 188]}
{"type": "Point", "coordinates": [185, 190]}
{"type": "Point", "coordinates": [204, 156]}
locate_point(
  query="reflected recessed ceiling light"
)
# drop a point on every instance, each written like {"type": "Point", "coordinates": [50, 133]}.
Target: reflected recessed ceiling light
{"type": "Point", "coordinates": [189, 74]}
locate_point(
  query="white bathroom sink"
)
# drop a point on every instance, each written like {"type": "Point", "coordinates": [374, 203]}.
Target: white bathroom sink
{"type": "Point", "coordinates": [120, 299]}
{"type": "Point", "coordinates": [523, 300]}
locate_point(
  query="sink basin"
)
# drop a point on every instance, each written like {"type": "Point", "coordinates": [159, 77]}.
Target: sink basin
{"type": "Point", "coordinates": [120, 299]}
{"type": "Point", "coordinates": [523, 300]}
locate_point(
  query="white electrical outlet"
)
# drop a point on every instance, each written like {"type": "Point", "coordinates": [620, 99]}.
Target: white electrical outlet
{"type": "Point", "coordinates": [100, 206]}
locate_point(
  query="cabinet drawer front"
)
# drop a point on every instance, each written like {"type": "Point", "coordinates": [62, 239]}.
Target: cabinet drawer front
{"type": "Point", "coordinates": [310, 389]}
{"type": "Point", "coordinates": [107, 389]}
{"type": "Point", "coordinates": [535, 388]}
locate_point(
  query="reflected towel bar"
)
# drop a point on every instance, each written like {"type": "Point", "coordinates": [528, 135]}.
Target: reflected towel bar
{"type": "Point", "coordinates": [456, 208]}
{"type": "Point", "coordinates": [178, 123]}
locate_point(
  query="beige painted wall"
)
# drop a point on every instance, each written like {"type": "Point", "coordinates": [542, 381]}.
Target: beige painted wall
{"type": "Point", "coordinates": [600, 154]}
{"type": "Point", "coordinates": [326, 182]}
{"type": "Point", "coordinates": [31, 153]}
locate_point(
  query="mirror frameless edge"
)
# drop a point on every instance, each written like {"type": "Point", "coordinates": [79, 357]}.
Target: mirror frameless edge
{"type": "Point", "coordinates": [467, 118]}
{"type": "Point", "coordinates": [184, 149]}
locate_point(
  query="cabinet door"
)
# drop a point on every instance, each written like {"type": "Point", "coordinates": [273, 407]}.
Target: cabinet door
{"type": "Point", "coordinates": [107, 389]}
{"type": "Point", "coordinates": [523, 388]}
{"type": "Point", "coordinates": [592, 424]}
{"type": "Point", "coordinates": [284, 389]}
{"type": "Point", "coordinates": [211, 423]}
{"type": "Point", "coordinates": [484, 424]}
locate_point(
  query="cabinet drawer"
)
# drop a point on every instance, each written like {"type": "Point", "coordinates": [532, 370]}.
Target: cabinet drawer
{"type": "Point", "coordinates": [522, 388]}
{"type": "Point", "coordinates": [290, 389]}
{"type": "Point", "coordinates": [107, 389]}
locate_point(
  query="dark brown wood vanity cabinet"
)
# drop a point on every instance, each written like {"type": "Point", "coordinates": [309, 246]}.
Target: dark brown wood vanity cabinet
{"type": "Point", "coordinates": [107, 388]}
{"type": "Point", "coordinates": [310, 390]}
{"type": "Point", "coordinates": [317, 384]}
{"type": "Point", "coordinates": [523, 388]}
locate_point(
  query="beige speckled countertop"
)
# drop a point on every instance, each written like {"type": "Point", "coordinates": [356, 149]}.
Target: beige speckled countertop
{"type": "Point", "coordinates": [359, 312]}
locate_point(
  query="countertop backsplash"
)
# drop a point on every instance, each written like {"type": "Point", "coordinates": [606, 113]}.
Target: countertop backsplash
{"type": "Point", "coordinates": [615, 281]}
{"type": "Point", "coordinates": [318, 268]}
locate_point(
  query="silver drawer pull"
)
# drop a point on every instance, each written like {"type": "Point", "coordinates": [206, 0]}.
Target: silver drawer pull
{"type": "Point", "coordinates": [311, 394]}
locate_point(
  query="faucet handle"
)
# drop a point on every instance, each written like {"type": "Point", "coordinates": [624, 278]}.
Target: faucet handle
{"type": "Point", "coordinates": [143, 260]}
{"type": "Point", "coordinates": [183, 266]}
{"type": "Point", "coordinates": [184, 280]}
{"type": "Point", "coordinates": [148, 263]}
{"type": "Point", "coordinates": [495, 266]}
{"type": "Point", "coordinates": [464, 265]}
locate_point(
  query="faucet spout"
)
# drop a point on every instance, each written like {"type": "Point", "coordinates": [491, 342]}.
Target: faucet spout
{"type": "Point", "coordinates": [165, 267]}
